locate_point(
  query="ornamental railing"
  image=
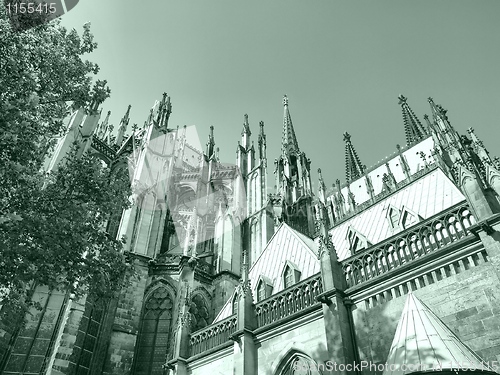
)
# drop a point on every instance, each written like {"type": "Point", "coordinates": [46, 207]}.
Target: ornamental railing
{"type": "Point", "coordinates": [420, 240]}
{"type": "Point", "coordinates": [289, 301]}
{"type": "Point", "coordinates": [103, 148]}
{"type": "Point", "coordinates": [213, 335]}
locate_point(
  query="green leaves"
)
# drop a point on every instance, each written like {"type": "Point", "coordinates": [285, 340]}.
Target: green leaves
{"type": "Point", "coordinates": [53, 227]}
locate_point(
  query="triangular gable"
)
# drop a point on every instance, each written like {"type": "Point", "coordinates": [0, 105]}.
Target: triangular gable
{"type": "Point", "coordinates": [422, 342]}
{"type": "Point", "coordinates": [408, 218]}
{"type": "Point", "coordinates": [393, 216]}
{"type": "Point", "coordinates": [285, 245]}
{"type": "Point", "coordinates": [356, 240]}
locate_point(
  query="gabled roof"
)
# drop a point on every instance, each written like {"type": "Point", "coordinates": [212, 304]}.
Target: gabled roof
{"type": "Point", "coordinates": [424, 343]}
{"type": "Point", "coordinates": [285, 245]}
{"type": "Point", "coordinates": [425, 197]}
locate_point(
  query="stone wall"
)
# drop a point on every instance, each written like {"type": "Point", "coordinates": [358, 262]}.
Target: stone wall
{"type": "Point", "coordinates": [304, 336]}
{"type": "Point", "coordinates": [465, 298]}
{"type": "Point", "coordinates": [126, 324]}
{"type": "Point", "coordinates": [219, 365]}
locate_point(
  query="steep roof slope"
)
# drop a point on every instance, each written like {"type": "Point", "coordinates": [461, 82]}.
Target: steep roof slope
{"type": "Point", "coordinates": [287, 246]}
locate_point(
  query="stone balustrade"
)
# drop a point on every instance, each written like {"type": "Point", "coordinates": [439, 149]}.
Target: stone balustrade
{"type": "Point", "coordinates": [419, 240]}
{"type": "Point", "coordinates": [289, 301]}
{"type": "Point", "coordinates": [213, 335]}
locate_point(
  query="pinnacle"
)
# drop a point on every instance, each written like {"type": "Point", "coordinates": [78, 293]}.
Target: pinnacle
{"type": "Point", "coordinates": [354, 168]}
{"type": "Point", "coordinates": [414, 130]}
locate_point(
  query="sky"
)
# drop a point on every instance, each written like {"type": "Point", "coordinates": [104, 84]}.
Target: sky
{"type": "Point", "coordinates": [342, 65]}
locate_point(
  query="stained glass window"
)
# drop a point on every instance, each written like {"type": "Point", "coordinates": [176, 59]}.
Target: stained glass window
{"type": "Point", "coordinates": [154, 334]}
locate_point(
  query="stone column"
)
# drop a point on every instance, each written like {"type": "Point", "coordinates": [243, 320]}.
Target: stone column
{"type": "Point", "coordinates": [339, 327]}
{"type": "Point", "coordinates": [245, 351]}
{"type": "Point", "coordinates": [178, 364]}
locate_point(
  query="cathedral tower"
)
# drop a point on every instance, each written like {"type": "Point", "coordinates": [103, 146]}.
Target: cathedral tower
{"type": "Point", "coordinates": [293, 180]}
{"type": "Point", "coordinates": [259, 223]}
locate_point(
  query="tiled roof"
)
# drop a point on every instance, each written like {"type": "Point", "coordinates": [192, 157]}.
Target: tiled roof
{"type": "Point", "coordinates": [286, 245]}
{"type": "Point", "coordinates": [426, 197]}
{"type": "Point", "coordinates": [423, 342]}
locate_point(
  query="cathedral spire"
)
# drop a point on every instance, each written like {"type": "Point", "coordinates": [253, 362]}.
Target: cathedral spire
{"type": "Point", "coordinates": [353, 166]}
{"type": "Point", "coordinates": [163, 114]}
{"type": "Point", "coordinates": [246, 127]}
{"type": "Point", "coordinates": [414, 130]}
{"type": "Point", "coordinates": [103, 127]}
{"type": "Point", "coordinates": [479, 146]}
{"type": "Point", "coordinates": [210, 144]}
{"type": "Point", "coordinates": [245, 133]}
{"type": "Point", "coordinates": [442, 125]}
{"type": "Point", "coordinates": [262, 142]}
{"type": "Point", "coordinates": [322, 187]}
{"type": "Point", "coordinates": [123, 127]}
{"type": "Point", "coordinates": [289, 141]}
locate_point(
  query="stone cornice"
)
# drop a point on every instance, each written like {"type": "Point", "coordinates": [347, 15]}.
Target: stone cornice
{"type": "Point", "coordinates": [226, 275]}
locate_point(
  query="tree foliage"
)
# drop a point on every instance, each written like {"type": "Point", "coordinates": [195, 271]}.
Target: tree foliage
{"type": "Point", "coordinates": [52, 228]}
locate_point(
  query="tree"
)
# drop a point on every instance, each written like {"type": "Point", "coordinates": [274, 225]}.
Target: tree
{"type": "Point", "coordinates": [52, 228]}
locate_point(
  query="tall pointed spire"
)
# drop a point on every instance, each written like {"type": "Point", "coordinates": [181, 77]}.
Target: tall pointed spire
{"type": "Point", "coordinates": [322, 187]}
{"type": "Point", "coordinates": [289, 141]}
{"type": "Point", "coordinates": [353, 166]}
{"type": "Point", "coordinates": [163, 114]}
{"type": "Point", "coordinates": [414, 130]}
{"type": "Point", "coordinates": [479, 146]}
{"type": "Point", "coordinates": [245, 133]}
{"type": "Point", "coordinates": [262, 142]}
{"type": "Point", "coordinates": [246, 127]}
{"type": "Point", "coordinates": [123, 127]}
{"type": "Point", "coordinates": [211, 143]}
{"type": "Point", "coordinates": [103, 127]}
{"type": "Point", "coordinates": [424, 343]}
{"type": "Point", "coordinates": [442, 125]}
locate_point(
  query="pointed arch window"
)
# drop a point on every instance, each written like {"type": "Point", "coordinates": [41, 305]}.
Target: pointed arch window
{"type": "Point", "coordinates": [261, 291]}
{"type": "Point", "coordinates": [291, 275]}
{"type": "Point", "coordinates": [288, 279]}
{"type": "Point", "coordinates": [234, 304]}
{"type": "Point", "coordinates": [153, 339]}
{"type": "Point", "coordinates": [254, 253]}
{"type": "Point", "coordinates": [393, 217]}
{"type": "Point", "coordinates": [408, 218]}
{"type": "Point", "coordinates": [253, 192]}
{"type": "Point", "coordinates": [298, 364]}
{"type": "Point", "coordinates": [356, 240]}
{"type": "Point", "coordinates": [264, 289]}
{"type": "Point", "coordinates": [199, 312]}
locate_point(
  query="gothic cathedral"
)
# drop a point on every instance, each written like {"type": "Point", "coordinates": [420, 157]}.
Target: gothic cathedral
{"type": "Point", "coordinates": [395, 270]}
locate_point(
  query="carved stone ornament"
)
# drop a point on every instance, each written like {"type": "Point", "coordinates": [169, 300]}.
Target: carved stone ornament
{"type": "Point", "coordinates": [185, 319]}
{"type": "Point", "coordinates": [244, 288]}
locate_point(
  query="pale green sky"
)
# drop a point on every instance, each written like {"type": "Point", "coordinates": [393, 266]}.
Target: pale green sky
{"type": "Point", "coordinates": [341, 63]}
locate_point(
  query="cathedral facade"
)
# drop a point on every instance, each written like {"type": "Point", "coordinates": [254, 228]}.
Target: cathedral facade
{"type": "Point", "coordinates": [395, 270]}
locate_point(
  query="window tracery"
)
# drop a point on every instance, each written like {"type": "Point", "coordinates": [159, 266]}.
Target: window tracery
{"type": "Point", "coordinates": [152, 343]}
